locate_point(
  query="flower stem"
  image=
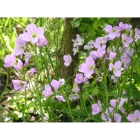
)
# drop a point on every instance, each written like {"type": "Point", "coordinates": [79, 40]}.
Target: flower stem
{"type": "Point", "coordinates": [38, 96]}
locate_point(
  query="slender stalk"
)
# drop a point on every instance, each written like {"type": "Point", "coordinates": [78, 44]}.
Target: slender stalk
{"type": "Point", "coordinates": [37, 92]}
{"type": "Point", "coordinates": [24, 106]}
{"type": "Point", "coordinates": [83, 103]}
{"type": "Point", "coordinates": [69, 109]}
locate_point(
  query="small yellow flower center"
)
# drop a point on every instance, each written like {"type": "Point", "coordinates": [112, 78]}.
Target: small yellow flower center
{"type": "Point", "coordinates": [136, 119]}
{"type": "Point", "coordinates": [74, 86]}
{"type": "Point", "coordinates": [20, 84]}
{"type": "Point", "coordinates": [113, 69]}
{"type": "Point", "coordinates": [125, 40]}
{"type": "Point", "coordinates": [34, 35]}
{"type": "Point", "coordinates": [69, 60]}
{"type": "Point", "coordinates": [127, 33]}
{"type": "Point", "coordinates": [21, 47]}
{"type": "Point", "coordinates": [113, 30]}
{"type": "Point", "coordinates": [102, 42]}
{"type": "Point", "coordinates": [91, 67]}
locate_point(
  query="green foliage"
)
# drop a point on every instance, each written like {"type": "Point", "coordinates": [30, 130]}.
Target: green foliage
{"type": "Point", "coordinates": [90, 28]}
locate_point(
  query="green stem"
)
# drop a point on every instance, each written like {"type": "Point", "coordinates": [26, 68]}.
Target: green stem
{"type": "Point", "coordinates": [69, 109]}
{"type": "Point", "coordinates": [37, 92]}
{"type": "Point", "coordinates": [82, 99]}
{"type": "Point", "coordinates": [67, 100]}
{"type": "Point", "coordinates": [24, 106]}
{"type": "Point", "coordinates": [105, 84]}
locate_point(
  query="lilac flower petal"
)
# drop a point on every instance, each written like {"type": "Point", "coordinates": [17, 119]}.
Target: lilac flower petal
{"type": "Point", "coordinates": [55, 84]}
{"type": "Point", "coordinates": [27, 37]}
{"type": "Point", "coordinates": [108, 28]}
{"type": "Point", "coordinates": [67, 59]}
{"type": "Point", "coordinates": [48, 91]}
{"type": "Point", "coordinates": [117, 117]}
{"type": "Point", "coordinates": [130, 117]}
{"type": "Point", "coordinates": [118, 65]}
{"type": "Point", "coordinates": [129, 40]}
{"type": "Point", "coordinates": [105, 117]}
{"type": "Point", "coordinates": [110, 66]}
{"type": "Point", "coordinates": [122, 102]}
{"type": "Point", "coordinates": [112, 35]}
{"type": "Point", "coordinates": [19, 85]}
{"type": "Point", "coordinates": [95, 109]}
{"type": "Point", "coordinates": [40, 31]}
{"type": "Point", "coordinates": [31, 28]}
{"type": "Point", "coordinates": [117, 73]}
{"type": "Point", "coordinates": [137, 113]}
{"type": "Point", "coordinates": [122, 110]}
{"type": "Point", "coordinates": [60, 98]}
{"type": "Point", "coordinates": [113, 103]}
{"type": "Point", "coordinates": [41, 41]}
{"type": "Point", "coordinates": [97, 45]}
{"type": "Point", "coordinates": [9, 61]}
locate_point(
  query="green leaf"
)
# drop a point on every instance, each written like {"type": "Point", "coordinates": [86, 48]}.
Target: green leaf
{"type": "Point", "coordinates": [79, 112]}
{"type": "Point", "coordinates": [95, 91]}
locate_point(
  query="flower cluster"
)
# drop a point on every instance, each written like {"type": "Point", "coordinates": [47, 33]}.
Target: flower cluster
{"type": "Point", "coordinates": [114, 59]}
{"type": "Point", "coordinates": [20, 56]}
{"type": "Point", "coordinates": [77, 42]}
{"type": "Point", "coordinates": [56, 85]}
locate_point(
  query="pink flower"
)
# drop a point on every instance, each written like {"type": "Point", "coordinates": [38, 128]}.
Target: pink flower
{"type": "Point", "coordinates": [79, 78]}
{"type": "Point", "coordinates": [30, 72]}
{"type": "Point", "coordinates": [20, 46]}
{"type": "Point", "coordinates": [19, 65]}
{"type": "Point", "coordinates": [48, 91]}
{"type": "Point", "coordinates": [99, 53]}
{"type": "Point", "coordinates": [19, 85]}
{"type": "Point", "coordinates": [32, 118]}
{"type": "Point", "coordinates": [118, 103]}
{"type": "Point", "coordinates": [28, 56]}
{"type": "Point", "coordinates": [60, 98]}
{"type": "Point", "coordinates": [111, 56]}
{"type": "Point", "coordinates": [134, 117]}
{"type": "Point", "coordinates": [9, 61]}
{"type": "Point", "coordinates": [116, 68]}
{"type": "Point", "coordinates": [88, 67]}
{"type": "Point", "coordinates": [126, 57]}
{"type": "Point", "coordinates": [78, 41]}
{"type": "Point", "coordinates": [100, 43]}
{"type": "Point", "coordinates": [75, 50]}
{"type": "Point", "coordinates": [110, 113]}
{"type": "Point", "coordinates": [75, 88]}
{"type": "Point", "coordinates": [96, 108]}
{"type": "Point", "coordinates": [56, 84]}
{"type": "Point", "coordinates": [31, 110]}
{"type": "Point", "coordinates": [32, 33]}
{"type": "Point", "coordinates": [89, 46]}
{"type": "Point", "coordinates": [137, 34]}
{"type": "Point", "coordinates": [127, 40]}
{"type": "Point", "coordinates": [67, 59]}
{"type": "Point", "coordinates": [124, 26]}
{"type": "Point", "coordinates": [113, 32]}
{"type": "Point", "coordinates": [42, 41]}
